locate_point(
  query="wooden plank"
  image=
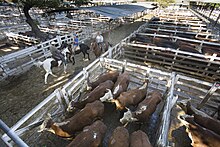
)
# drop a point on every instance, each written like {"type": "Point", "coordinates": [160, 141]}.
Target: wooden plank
{"type": "Point", "coordinates": [183, 32]}
{"type": "Point", "coordinates": [187, 54]}
{"type": "Point", "coordinates": [203, 62]}
{"type": "Point", "coordinates": [156, 57]}
{"type": "Point", "coordinates": [180, 38]}
{"type": "Point", "coordinates": [170, 63]}
{"type": "Point", "coordinates": [174, 68]}
{"type": "Point", "coordinates": [179, 27]}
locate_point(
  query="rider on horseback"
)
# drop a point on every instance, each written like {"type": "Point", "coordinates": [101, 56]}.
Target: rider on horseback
{"type": "Point", "coordinates": [56, 54]}
{"type": "Point", "coordinates": [75, 43]}
{"type": "Point", "coordinates": [99, 40]}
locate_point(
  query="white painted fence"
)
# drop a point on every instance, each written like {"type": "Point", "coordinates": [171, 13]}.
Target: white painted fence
{"type": "Point", "coordinates": [172, 85]}
{"type": "Point", "coordinates": [57, 101]}
{"type": "Point", "coordinates": [176, 85]}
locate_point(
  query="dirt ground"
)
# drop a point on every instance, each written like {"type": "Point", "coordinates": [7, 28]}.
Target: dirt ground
{"type": "Point", "coordinates": [18, 95]}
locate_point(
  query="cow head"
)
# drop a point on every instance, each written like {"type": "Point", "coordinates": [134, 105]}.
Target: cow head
{"type": "Point", "coordinates": [71, 107]}
{"type": "Point", "coordinates": [108, 97]}
{"type": "Point", "coordinates": [85, 87]}
{"type": "Point", "coordinates": [50, 126]}
{"type": "Point", "coordinates": [128, 117]}
{"type": "Point", "coordinates": [47, 123]}
{"type": "Point", "coordinates": [183, 104]}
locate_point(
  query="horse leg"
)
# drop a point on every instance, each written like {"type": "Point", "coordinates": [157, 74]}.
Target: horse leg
{"type": "Point", "coordinates": [84, 56]}
{"type": "Point", "coordinates": [73, 60]}
{"type": "Point", "coordinates": [65, 67]}
{"type": "Point", "coordinates": [88, 55]}
{"type": "Point", "coordinates": [46, 76]}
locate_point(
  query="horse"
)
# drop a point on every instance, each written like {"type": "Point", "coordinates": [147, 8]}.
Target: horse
{"type": "Point", "coordinates": [48, 64]}
{"type": "Point", "coordinates": [69, 53]}
{"type": "Point", "coordinates": [98, 49]}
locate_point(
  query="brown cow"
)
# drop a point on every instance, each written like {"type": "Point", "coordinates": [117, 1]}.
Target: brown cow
{"type": "Point", "coordinates": [81, 119]}
{"type": "Point", "coordinates": [131, 97]}
{"type": "Point", "coordinates": [144, 110]}
{"type": "Point", "coordinates": [91, 136]}
{"type": "Point", "coordinates": [120, 86]}
{"type": "Point", "coordinates": [139, 139]}
{"type": "Point", "coordinates": [119, 138]}
{"type": "Point", "coordinates": [202, 118]}
{"type": "Point", "coordinates": [95, 94]}
{"type": "Point", "coordinates": [111, 75]}
{"type": "Point", "coordinates": [201, 137]}
{"type": "Point", "coordinates": [208, 122]}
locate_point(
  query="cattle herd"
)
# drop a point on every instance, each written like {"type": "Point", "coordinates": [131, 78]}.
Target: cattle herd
{"type": "Point", "coordinates": [85, 125]}
{"type": "Point", "coordinates": [202, 129]}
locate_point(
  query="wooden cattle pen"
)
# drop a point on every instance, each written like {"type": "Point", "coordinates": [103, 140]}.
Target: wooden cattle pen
{"type": "Point", "coordinates": [180, 55]}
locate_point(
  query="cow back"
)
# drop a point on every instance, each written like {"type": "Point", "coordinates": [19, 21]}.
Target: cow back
{"type": "Point", "coordinates": [119, 138]}
{"type": "Point", "coordinates": [139, 139]}
{"type": "Point", "coordinates": [208, 122]}
{"type": "Point", "coordinates": [202, 137]}
{"type": "Point", "coordinates": [121, 84]}
{"type": "Point", "coordinates": [84, 117]}
{"type": "Point", "coordinates": [95, 94]}
{"type": "Point", "coordinates": [112, 75]}
{"type": "Point", "coordinates": [150, 102]}
{"type": "Point", "coordinates": [132, 97]}
{"type": "Point", "coordinates": [91, 136]}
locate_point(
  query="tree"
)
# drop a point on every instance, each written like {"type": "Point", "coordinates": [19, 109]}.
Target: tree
{"type": "Point", "coordinates": [41, 4]}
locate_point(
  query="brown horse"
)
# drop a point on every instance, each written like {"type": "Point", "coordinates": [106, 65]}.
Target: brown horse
{"type": "Point", "coordinates": [99, 48]}
{"type": "Point", "coordinates": [96, 49]}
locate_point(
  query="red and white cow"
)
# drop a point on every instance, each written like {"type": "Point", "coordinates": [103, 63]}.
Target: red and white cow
{"type": "Point", "coordinates": [111, 75]}
{"type": "Point", "coordinates": [95, 94]}
{"type": "Point", "coordinates": [128, 98]}
{"type": "Point", "coordinates": [144, 110]}
{"type": "Point", "coordinates": [67, 128]}
{"type": "Point", "coordinates": [200, 136]}
{"type": "Point", "coordinates": [91, 136]}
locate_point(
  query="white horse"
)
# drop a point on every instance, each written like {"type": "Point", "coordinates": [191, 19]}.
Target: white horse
{"type": "Point", "coordinates": [48, 64]}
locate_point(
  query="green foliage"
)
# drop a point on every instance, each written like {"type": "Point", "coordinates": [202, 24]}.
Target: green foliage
{"type": "Point", "coordinates": [165, 3]}
{"type": "Point", "coordinates": [81, 2]}
{"type": "Point", "coordinates": [42, 4]}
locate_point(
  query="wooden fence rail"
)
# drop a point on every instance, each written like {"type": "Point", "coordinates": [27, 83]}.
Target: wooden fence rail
{"type": "Point", "coordinates": [181, 61]}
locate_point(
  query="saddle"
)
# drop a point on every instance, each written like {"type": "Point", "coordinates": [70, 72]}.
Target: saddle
{"type": "Point", "coordinates": [58, 56]}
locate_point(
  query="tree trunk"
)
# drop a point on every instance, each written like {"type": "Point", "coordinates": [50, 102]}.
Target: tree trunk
{"type": "Point", "coordinates": [34, 27]}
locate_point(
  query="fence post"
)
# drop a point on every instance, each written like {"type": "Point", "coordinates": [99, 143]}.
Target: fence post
{"type": "Point", "coordinates": [208, 95]}
{"type": "Point", "coordinates": [59, 40]}
{"type": "Point", "coordinates": [110, 52]}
